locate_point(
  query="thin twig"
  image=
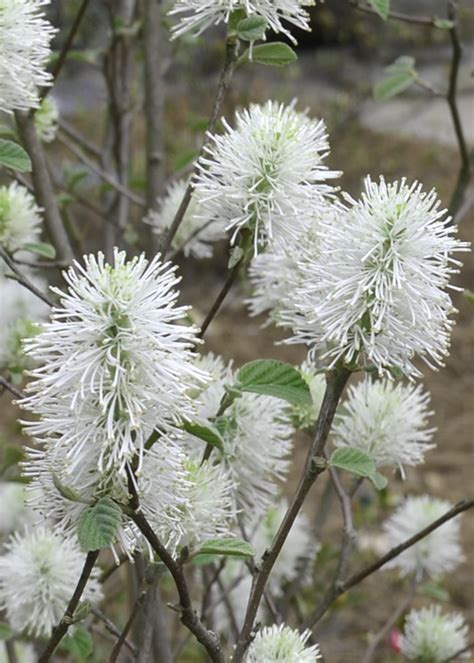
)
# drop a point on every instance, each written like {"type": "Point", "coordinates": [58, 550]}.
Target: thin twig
{"type": "Point", "coordinates": [219, 299]}
{"type": "Point", "coordinates": [380, 637]}
{"type": "Point", "coordinates": [67, 45]}
{"type": "Point", "coordinates": [398, 16]}
{"type": "Point", "coordinates": [43, 187]}
{"type": "Point", "coordinates": [21, 278]}
{"type": "Point", "coordinates": [137, 606]}
{"type": "Point", "coordinates": [74, 134]}
{"type": "Point", "coordinates": [336, 381]}
{"type": "Point", "coordinates": [63, 626]}
{"type": "Point", "coordinates": [464, 174]}
{"type": "Point", "coordinates": [188, 615]}
{"type": "Point", "coordinates": [11, 388]}
{"type": "Point", "coordinates": [349, 535]}
{"type": "Point", "coordinates": [111, 628]}
{"type": "Point", "coordinates": [231, 55]}
{"type": "Point", "coordinates": [356, 578]}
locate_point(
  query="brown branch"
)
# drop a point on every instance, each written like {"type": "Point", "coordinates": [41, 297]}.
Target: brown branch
{"type": "Point", "coordinates": [74, 134]}
{"type": "Point", "coordinates": [465, 173]}
{"type": "Point", "coordinates": [67, 45]}
{"type": "Point", "coordinates": [219, 299]}
{"type": "Point", "coordinates": [356, 578]}
{"type": "Point", "coordinates": [11, 388]}
{"type": "Point", "coordinates": [62, 628]}
{"type": "Point", "coordinates": [231, 54]}
{"type": "Point", "coordinates": [111, 628]}
{"type": "Point", "coordinates": [43, 187]}
{"type": "Point", "coordinates": [21, 278]}
{"type": "Point", "coordinates": [336, 381]}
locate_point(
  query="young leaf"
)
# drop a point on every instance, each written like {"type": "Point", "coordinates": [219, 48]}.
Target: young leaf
{"type": "Point", "coordinates": [252, 28]}
{"type": "Point", "coordinates": [400, 75]}
{"type": "Point", "coordinates": [79, 643]}
{"type": "Point", "coordinates": [14, 156]}
{"type": "Point", "coordinates": [5, 631]}
{"type": "Point", "coordinates": [469, 296]}
{"type": "Point", "coordinates": [204, 433]}
{"type": "Point", "coordinates": [382, 7]}
{"type": "Point", "coordinates": [434, 591]}
{"type": "Point", "coordinates": [380, 482]}
{"type": "Point", "coordinates": [276, 54]}
{"type": "Point", "coordinates": [66, 492]}
{"type": "Point", "coordinates": [353, 460]}
{"type": "Point", "coordinates": [41, 248]}
{"type": "Point", "coordinates": [229, 547]}
{"type": "Point", "coordinates": [443, 24]}
{"type": "Point", "coordinates": [98, 525]}
{"type": "Point", "coordinates": [274, 378]}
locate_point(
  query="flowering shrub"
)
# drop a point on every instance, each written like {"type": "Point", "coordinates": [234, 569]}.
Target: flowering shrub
{"type": "Point", "coordinates": [148, 452]}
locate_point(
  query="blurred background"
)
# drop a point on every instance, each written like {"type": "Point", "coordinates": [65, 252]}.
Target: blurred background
{"type": "Point", "coordinates": [407, 135]}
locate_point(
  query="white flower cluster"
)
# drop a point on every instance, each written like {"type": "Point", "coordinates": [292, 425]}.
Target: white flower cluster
{"type": "Point", "coordinates": [282, 644]}
{"type": "Point", "coordinates": [437, 553]}
{"type": "Point", "coordinates": [46, 120]}
{"type": "Point", "coordinates": [20, 217]}
{"type": "Point", "coordinates": [387, 421]}
{"type": "Point", "coordinates": [195, 234]}
{"type": "Point", "coordinates": [256, 436]}
{"type": "Point", "coordinates": [375, 293]}
{"type": "Point", "coordinates": [25, 37]}
{"type": "Point", "coordinates": [201, 14]}
{"type": "Point", "coordinates": [433, 637]}
{"type": "Point", "coordinates": [37, 571]}
{"type": "Point", "coordinates": [265, 175]}
{"type": "Point", "coordinates": [14, 511]}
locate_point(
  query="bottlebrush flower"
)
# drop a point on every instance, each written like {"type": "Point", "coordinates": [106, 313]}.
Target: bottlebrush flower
{"type": "Point", "coordinates": [114, 363]}
{"type": "Point", "coordinates": [37, 573]}
{"type": "Point", "coordinates": [282, 644]}
{"type": "Point", "coordinates": [201, 14]}
{"type": "Point", "coordinates": [435, 554]}
{"type": "Point", "coordinates": [14, 512]}
{"type": "Point", "coordinates": [433, 637]}
{"type": "Point", "coordinates": [267, 174]}
{"type": "Point", "coordinates": [25, 37]}
{"type": "Point", "coordinates": [376, 291]}
{"type": "Point", "coordinates": [162, 487]}
{"type": "Point", "coordinates": [256, 434]}
{"type": "Point", "coordinates": [20, 217]}
{"type": "Point", "coordinates": [46, 120]}
{"type": "Point", "coordinates": [386, 421]}
{"type": "Point", "coordinates": [195, 234]}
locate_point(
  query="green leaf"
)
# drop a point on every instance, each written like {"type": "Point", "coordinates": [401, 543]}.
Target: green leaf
{"type": "Point", "coordinates": [434, 591]}
{"type": "Point", "coordinates": [5, 631]}
{"type": "Point", "coordinates": [380, 482]}
{"type": "Point", "coordinates": [276, 54]}
{"type": "Point", "coordinates": [205, 433]}
{"type": "Point", "coordinates": [354, 461]}
{"type": "Point", "coordinates": [14, 156]}
{"type": "Point", "coordinates": [41, 248]}
{"type": "Point", "coordinates": [274, 378]}
{"type": "Point", "coordinates": [79, 643]}
{"type": "Point", "coordinates": [236, 255]}
{"type": "Point", "coordinates": [252, 28]}
{"type": "Point", "coordinates": [443, 23]}
{"type": "Point", "coordinates": [82, 611]}
{"type": "Point", "coordinates": [229, 547]}
{"type": "Point", "coordinates": [382, 7]}
{"type": "Point", "coordinates": [400, 75]}
{"type": "Point", "coordinates": [98, 525]}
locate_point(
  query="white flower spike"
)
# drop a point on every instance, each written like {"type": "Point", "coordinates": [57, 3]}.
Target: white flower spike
{"type": "Point", "coordinates": [37, 572]}
{"type": "Point", "coordinates": [433, 637]}
{"type": "Point", "coordinates": [387, 421]}
{"type": "Point", "coordinates": [435, 554]}
{"type": "Point", "coordinates": [376, 291]}
{"type": "Point", "coordinates": [201, 14]}
{"type": "Point", "coordinates": [282, 644]}
{"type": "Point", "coordinates": [20, 217]}
{"type": "Point", "coordinates": [115, 363]}
{"type": "Point", "coordinates": [267, 174]}
{"type": "Point", "coordinates": [25, 37]}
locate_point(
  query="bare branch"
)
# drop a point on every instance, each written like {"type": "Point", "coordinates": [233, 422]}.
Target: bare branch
{"type": "Point", "coordinates": [11, 388]}
{"type": "Point", "coordinates": [336, 382]}
{"type": "Point", "coordinates": [63, 626]}
{"type": "Point", "coordinates": [43, 187]}
{"type": "Point", "coordinates": [219, 299]}
{"type": "Point", "coordinates": [21, 278]}
{"type": "Point", "coordinates": [111, 628]}
{"type": "Point", "coordinates": [232, 47]}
